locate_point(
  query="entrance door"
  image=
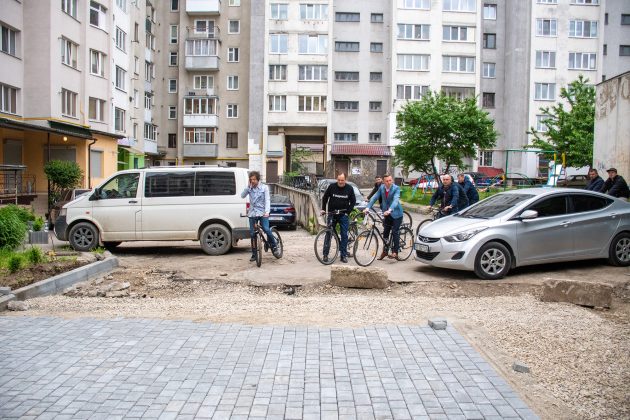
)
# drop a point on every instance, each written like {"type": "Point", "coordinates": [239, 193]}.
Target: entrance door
{"type": "Point", "coordinates": [272, 172]}
{"type": "Point", "coordinates": [341, 166]}
{"type": "Point", "coordinates": [12, 152]}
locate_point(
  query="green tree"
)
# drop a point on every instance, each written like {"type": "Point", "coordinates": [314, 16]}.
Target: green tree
{"type": "Point", "coordinates": [439, 127]}
{"type": "Point", "coordinates": [62, 175]}
{"type": "Point", "coordinates": [570, 128]}
{"type": "Point", "coordinates": [298, 156]}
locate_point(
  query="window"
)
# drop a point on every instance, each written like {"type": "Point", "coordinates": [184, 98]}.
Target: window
{"type": "Point", "coordinates": [122, 5]}
{"type": "Point", "coordinates": [174, 5]}
{"type": "Point", "coordinates": [312, 73]}
{"type": "Point", "coordinates": [69, 53]}
{"type": "Point", "coordinates": [234, 26]}
{"type": "Point", "coordinates": [135, 130]}
{"type": "Point", "coordinates": [410, 91]}
{"type": "Point", "coordinates": [199, 135]}
{"type": "Point", "coordinates": [150, 132]}
{"type": "Point", "coordinates": [346, 105]}
{"type": "Point", "coordinates": [417, 4]}
{"type": "Point", "coordinates": [490, 41]}
{"type": "Point", "coordinates": [233, 55]}
{"type": "Point", "coordinates": [97, 63]}
{"type": "Point", "coordinates": [459, 5]}
{"type": "Point", "coordinates": [136, 32]}
{"type": "Point", "coordinates": [232, 111]}
{"type": "Point", "coordinates": [409, 31]}
{"type": "Point", "coordinates": [540, 123]}
{"type": "Point", "coordinates": [346, 46]}
{"type": "Point", "coordinates": [545, 91]}
{"type": "Point", "coordinates": [136, 98]}
{"type": "Point", "coordinates": [414, 62]}
{"type": "Point", "coordinates": [488, 100]}
{"type": "Point", "coordinates": [376, 106]}
{"type": "Point", "coordinates": [347, 17]}
{"type": "Point", "coordinates": [96, 163]}
{"type": "Point", "coordinates": [547, 1]}
{"type": "Point", "coordinates": [553, 206]}
{"type": "Point", "coordinates": [7, 39]}
{"type": "Point", "coordinates": [172, 112]}
{"type": "Point", "coordinates": [625, 19]}
{"type": "Point", "coordinates": [279, 11]}
{"type": "Point", "coordinates": [232, 83]}
{"type": "Point", "coordinates": [8, 99]}
{"type": "Point", "coordinates": [148, 100]}
{"type": "Point", "coordinates": [593, 2]}
{"type": "Point", "coordinates": [124, 186]}
{"type": "Point", "coordinates": [69, 7]}
{"type": "Point", "coordinates": [346, 137]}
{"type": "Point", "coordinates": [376, 76]}
{"type": "Point", "coordinates": [203, 82]}
{"type": "Point", "coordinates": [624, 50]}
{"type": "Point", "coordinates": [490, 11]}
{"type": "Point", "coordinates": [314, 11]}
{"type": "Point", "coordinates": [172, 141]}
{"type": "Point", "coordinates": [376, 18]}
{"type": "Point", "coordinates": [313, 44]}
{"type": "Point", "coordinates": [199, 106]}
{"type": "Point", "coordinates": [201, 47]}
{"type": "Point", "coordinates": [457, 33]}
{"type": "Point", "coordinates": [120, 78]}
{"type": "Point", "coordinates": [458, 64]}
{"type": "Point", "coordinates": [150, 41]}
{"type": "Point", "coordinates": [376, 47]}
{"type": "Point", "coordinates": [215, 183]}
{"type": "Point", "coordinates": [173, 34]}
{"type": "Point", "coordinates": [278, 43]}
{"type": "Point", "coordinates": [172, 85]}
{"type": "Point", "coordinates": [582, 203]}
{"type": "Point", "coordinates": [374, 138]}
{"type": "Point", "coordinates": [583, 28]}
{"type": "Point", "coordinates": [68, 103]}
{"type": "Point", "coordinates": [278, 72]}
{"type": "Point", "coordinates": [205, 26]}
{"type": "Point", "coordinates": [121, 39]}
{"type": "Point", "coordinates": [136, 65]}
{"type": "Point", "coordinates": [485, 158]}
{"type": "Point", "coordinates": [582, 61]}
{"type": "Point", "coordinates": [98, 15]}
{"type": "Point", "coordinates": [231, 140]}
{"type": "Point", "coordinates": [347, 76]}
{"type": "Point", "coordinates": [149, 71]}
{"type": "Point", "coordinates": [546, 27]}
{"type": "Point", "coordinates": [312, 103]}
{"type": "Point", "coordinates": [277, 103]}
{"type": "Point", "coordinates": [233, 3]}
{"type": "Point", "coordinates": [172, 58]}
{"type": "Point", "coordinates": [119, 119]}
{"type": "Point", "coordinates": [174, 184]}
{"type": "Point", "coordinates": [605, 50]}
{"type": "Point", "coordinates": [96, 111]}
{"type": "Point", "coordinates": [546, 59]}
{"type": "Point", "coordinates": [489, 70]}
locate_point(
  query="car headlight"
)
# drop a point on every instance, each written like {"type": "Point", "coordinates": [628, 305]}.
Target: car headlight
{"type": "Point", "coordinates": [464, 236]}
{"type": "Point", "coordinates": [62, 212]}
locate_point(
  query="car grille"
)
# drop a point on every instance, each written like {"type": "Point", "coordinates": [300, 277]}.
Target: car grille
{"type": "Point", "coordinates": [427, 240]}
{"type": "Point", "coordinates": [429, 256]}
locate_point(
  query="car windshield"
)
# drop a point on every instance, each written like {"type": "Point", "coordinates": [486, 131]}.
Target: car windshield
{"type": "Point", "coordinates": [492, 206]}
{"type": "Point", "coordinates": [277, 199]}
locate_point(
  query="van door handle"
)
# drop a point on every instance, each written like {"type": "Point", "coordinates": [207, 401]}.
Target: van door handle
{"type": "Point", "coordinates": [133, 201]}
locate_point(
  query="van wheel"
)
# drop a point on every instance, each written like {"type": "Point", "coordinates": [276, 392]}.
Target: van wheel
{"type": "Point", "coordinates": [215, 239]}
{"type": "Point", "coordinates": [619, 252]}
{"type": "Point", "coordinates": [493, 261]}
{"type": "Point", "coordinates": [83, 237]}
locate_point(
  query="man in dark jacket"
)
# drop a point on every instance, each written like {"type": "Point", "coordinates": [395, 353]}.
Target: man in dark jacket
{"type": "Point", "coordinates": [451, 194]}
{"type": "Point", "coordinates": [615, 185]}
{"type": "Point", "coordinates": [339, 197]}
{"type": "Point", "coordinates": [469, 189]}
{"type": "Point", "coordinates": [377, 183]}
{"type": "Point", "coordinates": [596, 182]}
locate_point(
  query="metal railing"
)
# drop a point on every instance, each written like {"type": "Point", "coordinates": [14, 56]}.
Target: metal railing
{"type": "Point", "coordinates": [16, 184]}
{"type": "Point", "coordinates": [301, 182]}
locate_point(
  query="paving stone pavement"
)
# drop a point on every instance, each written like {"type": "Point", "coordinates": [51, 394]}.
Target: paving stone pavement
{"type": "Point", "coordinates": [137, 368]}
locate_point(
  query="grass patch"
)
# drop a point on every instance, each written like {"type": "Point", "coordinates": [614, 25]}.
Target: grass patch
{"type": "Point", "coordinates": [423, 199]}
{"type": "Point", "coordinates": [99, 250]}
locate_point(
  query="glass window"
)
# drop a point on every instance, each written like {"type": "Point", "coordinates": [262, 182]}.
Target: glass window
{"type": "Point", "coordinates": [278, 72]}
{"type": "Point", "coordinates": [488, 99]}
{"type": "Point", "coordinates": [546, 27]}
{"type": "Point", "coordinates": [376, 18]}
{"type": "Point", "coordinates": [552, 206]}
{"type": "Point", "coordinates": [490, 41]}
{"type": "Point", "coordinates": [215, 183]}
{"type": "Point", "coordinates": [231, 140]}
{"type": "Point", "coordinates": [121, 186]}
{"type": "Point", "coordinates": [347, 17]}
{"type": "Point", "coordinates": [489, 70]}
{"type": "Point", "coordinates": [347, 76]}
{"type": "Point", "coordinates": [278, 43]}
{"type": "Point", "coordinates": [583, 202]}
{"type": "Point", "coordinates": [494, 205]}
{"type": "Point", "coordinates": [279, 11]}
{"type": "Point", "coordinates": [7, 39]}
{"type": "Point", "coordinates": [234, 26]}
{"type": "Point", "coordinates": [490, 11]}
{"type": "Point", "coordinates": [376, 76]}
{"type": "Point", "coordinates": [165, 184]}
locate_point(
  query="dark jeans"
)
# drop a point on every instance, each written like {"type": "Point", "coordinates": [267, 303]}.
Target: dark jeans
{"type": "Point", "coordinates": [390, 223]}
{"type": "Point", "coordinates": [344, 222]}
{"type": "Point", "coordinates": [264, 223]}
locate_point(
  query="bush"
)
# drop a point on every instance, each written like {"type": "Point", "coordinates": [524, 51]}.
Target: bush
{"type": "Point", "coordinates": [38, 224]}
{"type": "Point", "coordinates": [63, 175]}
{"type": "Point", "coordinates": [15, 263]}
{"type": "Point", "coordinates": [12, 228]}
{"type": "Point", "coordinates": [35, 255]}
{"type": "Point", "coordinates": [25, 215]}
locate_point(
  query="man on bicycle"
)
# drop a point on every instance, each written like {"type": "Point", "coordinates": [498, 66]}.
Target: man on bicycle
{"type": "Point", "coordinates": [259, 208]}
{"type": "Point", "coordinates": [393, 212]}
{"type": "Point", "coordinates": [452, 196]}
{"type": "Point", "coordinates": [339, 197]}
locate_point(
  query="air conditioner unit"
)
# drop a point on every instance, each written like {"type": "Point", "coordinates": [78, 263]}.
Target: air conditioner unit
{"type": "Point", "coordinates": [191, 93]}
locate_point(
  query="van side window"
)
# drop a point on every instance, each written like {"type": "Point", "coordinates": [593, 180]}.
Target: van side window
{"type": "Point", "coordinates": [215, 183]}
{"type": "Point", "coordinates": [165, 184]}
{"type": "Point", "coordinates": [122, 186]}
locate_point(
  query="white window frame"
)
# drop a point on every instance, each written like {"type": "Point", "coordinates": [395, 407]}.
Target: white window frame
{"type": "Point", "coordinates": [200, 135]}
{"type": "Point", "coordinates": [232, 82]}
{"type": "Point", "coordinates": [347, 17]}
{"type": "Point", "coordinates": [8, 99]}
{"type": "Point", "coordinates": [553, 27]}
{"type": "Point", "coordinates": [69, 7]}
{"type": "Point", "coordinates": [277, 103]}
{"type": "Point", "coordinates": [101, 14]}
{"type": "Point", "coordinates": [410, 92]}
{"type": "Point", "coordinates": [121, 40]}
{"type": "Point", "coordinates": [417, 4]}
{"type": "Point", "coordinates": [544, 91]}
{"type": "Point", "coordinates": [209, 27]}
{"type": "Point", "coordinates": [122, 5]}
{"type": "Point", "coordinates": [539, 123]}
{"type": "Point", "coordinates": [278, 44]}
{"type": "Point", "coordinates": [413, 62]}
{"type": "Point", "coordinates": [238, 29]}
{"type": "Point", "coordinates": [172, 85]}
{"type": "Point", "coordinates": [173, 33]}
{"type": "Point", "coordinates": [489, 70]}
{"type": "Point", "coordinates": [120, 78]}
{"type": "Point", "coordinates": [312, 44]}
{"type": "Point", "coordinates": [585, 2]}
{"type": "Point", "coordinates": [460, 6]}
{"type": "Point", "coordinates": [233, 55]}
{"type": "Point", "coordinates": [312, 73]}
{"type": "Point", "coordinates": [206, 47]}
{"type": "Point", "coordinates": [99, 109]}
{"type": "Point", "coordinates": [346, 76]}
{"type": "Point", "coordinates": [68, 103]}
{"type": "Point", "coordinates": [69, 53]}
{"type": "Point", "coordinates": [346, 45]}
{"type": "Point", "coordinates": [313, 11]}
{"type": "Point", "coordinates": [346, 106]}
{"type": "Point", "coordinates": [97, 58]}
{"type": "Point", "coordinates": [545, 59]}
{"type": "Point", "coordinates": [490, 11]}
{"type": "Point", "coordinates": [234, 3]}
{"type": "Point", "coordinates": [455, 64]}
{"type": "Point", "coordinates": [414, 32]}
{"type": "Point", "coordinates": [11, 42]}
{"type": "Point", "coordinates": [375, 138]}
{"type": "Point", "coordinates": [136, 98]}
{"type": "Point", "coordinates": [136, 65]}
{"type": "Point", "coordinates": [547, 1]}
{"type": "Point", "coordinates": [279, 11]}
{"type": "Point", "coordinates": [149, 71]}
{"type": "Point", "coordinates": [312, 103]}
{"type": "Point", "coordinates": [119, 119]}
{"type": "Point", "coordinates": [150, 132]}
{"type": "Point", "coordinates": [173, 55]}
{"type": "Point", "coordinates": [200, 105]}
{"type": "Point", "coordinates": [454, 33]}
{"type": "Point", "coordinates": [580, 58]}
{"type": "Point", "coordinates": [199, 84]}
{"type": "Point", "coordinates": [232, 110]}
{"type": "Point", "coordinates": [486, 158]}
{"type": "Point", "coordinates": [277, 72]}
{"type": "Point", "coordinates": [578, 28]}
{"type": "Point", "coordinates": [148, 100]}
{"type": "Point", "coordinates": [376, 106]}
{"type": "Point", "coordinates": [172, 112]}
{"type": "Point", "coordinates": [346, 137]}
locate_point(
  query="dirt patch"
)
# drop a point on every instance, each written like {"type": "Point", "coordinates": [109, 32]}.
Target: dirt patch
{"type": "Point", "coordinates": [38, 272]}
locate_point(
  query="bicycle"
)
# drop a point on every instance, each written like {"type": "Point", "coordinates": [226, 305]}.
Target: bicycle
{"type": "Point", "coordinates": [329, 238]}
{"type": "Point", "coordinates": [367, 245]}
{"type": "Point", "coordinates": [436, 213]}
{"type": "Point", "coordinates": [260, 242]}
{"type": "Point", "coordinates": [360, 219]}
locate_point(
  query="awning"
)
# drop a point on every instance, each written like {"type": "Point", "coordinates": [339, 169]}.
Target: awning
{"type": "Point", "coordinates": [57, 127]}
{"type": "Point", "coordinates": [360, 150]}
{"type": "Point", "coordinates": [70, 129]}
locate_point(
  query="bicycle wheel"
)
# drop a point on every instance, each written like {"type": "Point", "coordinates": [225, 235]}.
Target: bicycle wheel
{"type": "Point", "coordinates": [326, 240]}
{"type": "Point", "coordinates": [422, 224]}
{"type": "Point", "coordinates": [259, 249]}
{"type": "Point", "coordinates": [279, 244]}
{"type": "Point", "coordinates": [407, 219]}
{"type": "Point", "coordinates": [353, 232]}
{"type": "Point", "coordinates": [366, 248]}
{"type": "Point", "coordinates": [406, 243]}
{"type": "Point", "coordinates": [363, 221]}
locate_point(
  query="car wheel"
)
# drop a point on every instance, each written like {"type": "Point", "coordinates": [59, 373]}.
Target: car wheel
{"type": "Point", "coordinates": [111, 245]}
{"type": "Point", "coordinates": [83, 237]}
{"type": "Point", "coordinates": [493, 261]}
{"type": "Point", "coordinates": [215, 239]}
{"type": "Point", "coordinates": [619, 252]}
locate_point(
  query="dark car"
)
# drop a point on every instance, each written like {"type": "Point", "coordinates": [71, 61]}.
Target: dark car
{"type": "Point", "coordinates": [66, 197]}
{"type": "Point", "coordinates": [574, 181]}
{"type": "Point", "coordinates": [282, 212]}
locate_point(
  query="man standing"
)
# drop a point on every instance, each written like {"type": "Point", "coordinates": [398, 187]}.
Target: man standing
{"type": "Point", "coordinates": [469, 189]}
{"type": "Point", "coordinates": [340, 198]}
{"type": "Point", "coordinates": [393, 212]}
{"type": "Point", "coordinates": [451, 196]}
{"type": "Point", "coordinates": [259, 207]}
{"type": "Point", "coordinates": [596, 182]}
{"type": "Point", "coordinates": [615, 185]}
{"type": "Point", "coordinates": [377, 183]}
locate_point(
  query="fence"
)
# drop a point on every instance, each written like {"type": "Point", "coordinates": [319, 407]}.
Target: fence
{"type": "Point", "coordinates": [16, 184]}
{"type": "Point", "coordinates": [306, 205]}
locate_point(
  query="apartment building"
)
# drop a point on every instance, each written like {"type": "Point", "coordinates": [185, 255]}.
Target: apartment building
{"type": "Point", "coordinates": [615, 43]}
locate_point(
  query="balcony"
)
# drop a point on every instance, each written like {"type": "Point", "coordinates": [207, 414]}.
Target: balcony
{"type": "Point", "coordinates": [205, 120]}
{"type": "Point", "coordinates": [198, 62]}
{"type": "Point", "coordinates": [148, 55]}
{"type": "Point", "coordinates": [148, 87]}
{"type": "Point", "coordinates": [147, 116]}
{"type": "Point", "coordinates": [201, 150]}
{"type": "Point", "coordinates": [150, 146]}
{"type": "Point", "coordinates": [203, 7]}
{"type": "Point", "coordinates": [202, 54]}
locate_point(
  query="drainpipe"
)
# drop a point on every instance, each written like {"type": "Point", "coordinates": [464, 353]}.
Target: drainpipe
{"type": "Point", "coordinates": [48, 194]}
{"type": "Point", "coordinates": [90, 163]}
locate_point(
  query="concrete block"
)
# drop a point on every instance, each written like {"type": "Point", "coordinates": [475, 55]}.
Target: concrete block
{"type": "Point", "coordinates": [17, 305]}
{"type": "Point", "coordinates": [577, 292]}
{"type": "Point", "coordinates": [520, 367]}
{"type": "Point", "coordinates": [359, 277]}
{"type": "Point", "coordinates": [4, 301]}
{"type": "Point", "coordinates": [5, 291]}
{"type": "Point", "coordinates": [438, 323]}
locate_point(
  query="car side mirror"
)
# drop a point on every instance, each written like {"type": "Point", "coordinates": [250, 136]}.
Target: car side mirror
{"type": "Point", "coordinates": [528, 215]}
{"type": "Point", "coordinates": [96, 195]}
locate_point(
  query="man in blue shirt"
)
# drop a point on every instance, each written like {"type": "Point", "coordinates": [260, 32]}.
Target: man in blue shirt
{"type": "Point", "coordinates": [393, 212]}
{"type": "Point", "coordinates": [259, 208]}
{"type": "Point", "coordinates": [451, 194]}
{"type": "Point", "coordinates": [469, 189]}
{"type": "Point", "coordinates": [596, 182]}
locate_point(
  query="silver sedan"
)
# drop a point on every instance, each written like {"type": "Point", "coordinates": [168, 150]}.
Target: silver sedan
{"type": "Point", "coordinates": [526, 227]}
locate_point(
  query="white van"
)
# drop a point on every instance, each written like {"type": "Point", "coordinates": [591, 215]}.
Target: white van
{"type": "Point", "coordinates": [160, 204]}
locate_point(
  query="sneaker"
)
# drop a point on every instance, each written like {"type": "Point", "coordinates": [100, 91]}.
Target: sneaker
{"type": "Point", "coordinates": [383, 255]}
{"type": "Point", "coordinates": [252, 259]}
{"type": "Point", "coordinates": [393, 256]}
{"type": "Point", "coordinates": [344, 260]}
{"type": "Point", "coordinates": [276, 252]}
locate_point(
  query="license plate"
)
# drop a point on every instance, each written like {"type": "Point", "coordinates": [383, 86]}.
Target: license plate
{"type": "Point", "coordinates": [275, 218]}
{"type": "Point", "coordinates": [422, 248]}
